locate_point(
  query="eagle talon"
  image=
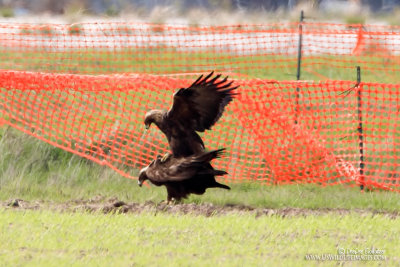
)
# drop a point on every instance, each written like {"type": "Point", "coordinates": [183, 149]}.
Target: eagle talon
{"type": "Point", "coordinates": [166, 202]}
{"type": "Point", "coordinates": [162, 202]}
{"type": "Point", "coordinates": [165, 157]}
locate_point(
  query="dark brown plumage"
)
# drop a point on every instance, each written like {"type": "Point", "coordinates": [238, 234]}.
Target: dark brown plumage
{"type": "Point", "coordinates": [185, 175]}
{"type": "Point", "coordinates": [196, 108]}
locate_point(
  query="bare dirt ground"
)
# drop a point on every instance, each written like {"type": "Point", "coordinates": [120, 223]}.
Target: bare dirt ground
{"type": "Point", "coordinates": [113, 205]}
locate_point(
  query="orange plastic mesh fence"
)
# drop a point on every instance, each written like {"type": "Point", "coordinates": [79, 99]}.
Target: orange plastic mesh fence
{"type": "Point", "coordinates": [329, 51]}
{"type": "Point", "coordinates": [86, 87]}
{"type": "Point", "coordinates": [268, 136]}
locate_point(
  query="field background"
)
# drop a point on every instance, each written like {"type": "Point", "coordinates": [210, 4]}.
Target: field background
{"type": "Point", "coordinates": [61, 239]}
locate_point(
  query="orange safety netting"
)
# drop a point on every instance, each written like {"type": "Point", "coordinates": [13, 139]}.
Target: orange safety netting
{"type": "Point", "coordinates": [329, 51]}
{"type": "Point", "coordinates": [101, 118]}
{"type": "Point", "coordinates": [86, 87]}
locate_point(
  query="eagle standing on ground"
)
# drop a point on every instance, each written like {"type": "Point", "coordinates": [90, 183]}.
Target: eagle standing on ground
{"type": "Point", "coordinates": [185, 175]}
{"type": "Point", "coordinates": [196, 108]}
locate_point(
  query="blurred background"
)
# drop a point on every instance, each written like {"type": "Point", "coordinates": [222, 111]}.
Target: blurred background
{"type": "Point", "coordinates": [204, 11]}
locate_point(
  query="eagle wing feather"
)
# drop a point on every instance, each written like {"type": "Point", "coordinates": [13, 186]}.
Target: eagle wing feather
{"type": "Point", "coordinates": [202, 104]}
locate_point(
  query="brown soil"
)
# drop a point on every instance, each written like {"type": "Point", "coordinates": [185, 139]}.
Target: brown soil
{"type": "Point", "coordinates": [113, 205]}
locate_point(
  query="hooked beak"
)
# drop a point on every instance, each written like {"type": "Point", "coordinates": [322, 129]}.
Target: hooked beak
{"type": "Point", "coordinates": [139, 183]}
{"type": "Point", "coordinates": [147, 126]}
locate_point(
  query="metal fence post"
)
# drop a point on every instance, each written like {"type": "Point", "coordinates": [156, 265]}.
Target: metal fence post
{"type": "Point", "coordinates": [360, 128]}
{"type": "Point", "coordinates": [299, 63]}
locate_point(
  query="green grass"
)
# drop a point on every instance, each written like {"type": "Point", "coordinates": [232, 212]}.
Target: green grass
{"type": "Point", "coordinates": [375, 65]}
{"type": "Point", "coordinates": [44, 238]}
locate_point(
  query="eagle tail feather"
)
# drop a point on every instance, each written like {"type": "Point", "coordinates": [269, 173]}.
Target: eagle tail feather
{"type": "Point", "coordinates": [219, 173]}
{"type": "Point", "coordinates": [216, 153]}
{"type": "Point", "coordinates": [221, 186]}
{"type": "Point", "coordinates": [208, 156]}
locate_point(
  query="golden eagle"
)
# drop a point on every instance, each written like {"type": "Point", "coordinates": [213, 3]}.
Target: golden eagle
{"type": "Point", "coordinates": [185, 175]}
{"type": "Point", "coordinates": [196, 108]}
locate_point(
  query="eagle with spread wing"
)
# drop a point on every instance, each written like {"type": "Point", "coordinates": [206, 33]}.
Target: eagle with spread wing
{"type": "Point", "coordinates": [196, 108]}
{"type": "Point", "coordinates": [185, 175]}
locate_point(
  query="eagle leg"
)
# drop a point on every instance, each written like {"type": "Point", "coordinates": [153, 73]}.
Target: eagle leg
{"type": "Point", "coordinates": [172, 201]}
{"type": "Point", "coordinates": [163, 203]}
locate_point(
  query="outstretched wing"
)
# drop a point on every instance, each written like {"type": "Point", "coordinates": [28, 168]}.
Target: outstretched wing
{"type": "Point", "coordinates": [179, 169]}
{"type": "Point", "coordinates": [172, 170]}
{"type": "Point", "coordinates": [200, 106]}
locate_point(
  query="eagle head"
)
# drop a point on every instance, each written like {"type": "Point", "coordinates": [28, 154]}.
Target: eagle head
{"type": "Point", "coordinates": [153, 116]}
{"type": "Point", "coordinates": [142, 176]}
